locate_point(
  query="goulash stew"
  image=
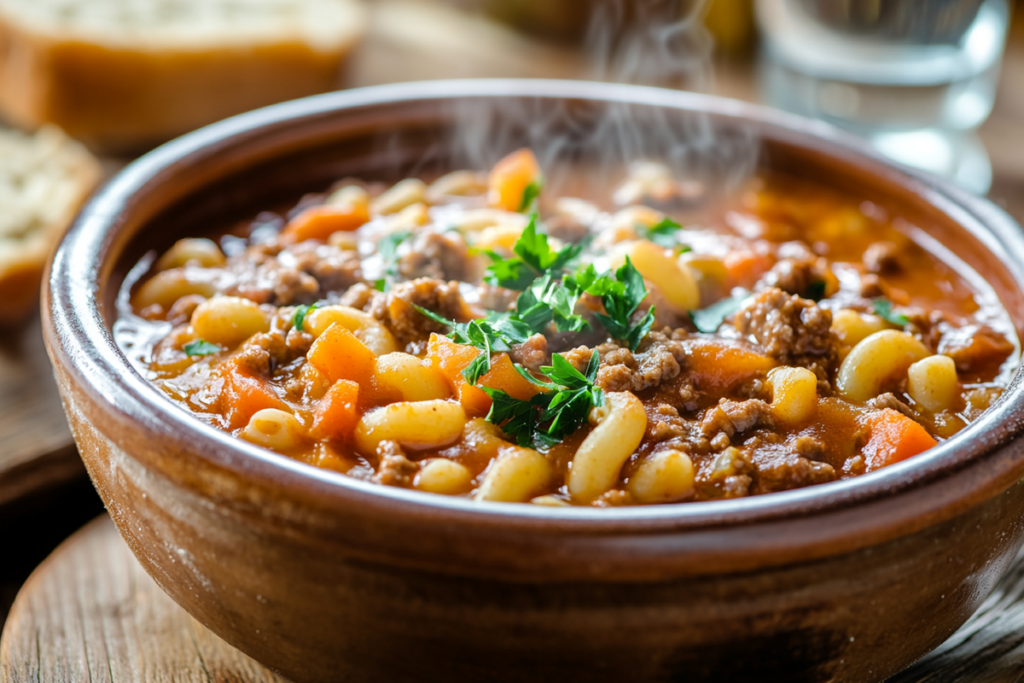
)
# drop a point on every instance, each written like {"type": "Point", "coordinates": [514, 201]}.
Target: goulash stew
{"type": "Point", "coordinates": [453, 338]}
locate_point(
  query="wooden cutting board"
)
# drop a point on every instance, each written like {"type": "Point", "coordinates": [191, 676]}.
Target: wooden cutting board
{"type": "Point", "coordinates": [90, 613]}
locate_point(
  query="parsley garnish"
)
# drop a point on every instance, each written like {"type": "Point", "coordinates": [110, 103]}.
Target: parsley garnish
{"type": "Point", "coordinates": [387, 249]}
{"type": "Point", "coordinates": [709, 319]}
{"type": "Point", "coordinates": [530, 195]}
{"type": "Point", "coordinates": [300, 316]}
{"type": "Point", "coordinates": [663, 234]}
{"type": "Point", "coordinates": [816, 290]}
{"type": "Point", "coordinates": [200, 347]}
{"type": "Point", "coordinates": [563, 409]}
{"type": "Point", "coordinates": [883, 308]}
{"type": "Point", "coordinates": [549, 300]}
{"type": "Point", "coordinates": [621, 298]}
{"type": "Point", "coordinates": [534, 258]}
{"type": "Point", "coordinates": [494, 334]}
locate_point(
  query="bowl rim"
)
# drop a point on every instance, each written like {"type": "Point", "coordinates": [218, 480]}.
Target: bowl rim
{"type": "Point", "coordinates": [81, 345]}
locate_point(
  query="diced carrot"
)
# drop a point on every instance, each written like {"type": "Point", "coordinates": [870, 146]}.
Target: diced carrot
{"type": "Point", "coordinates": [320, 222]}
{"type": "Point", "coordinates": [510, 177]}
{"type": "Point", "coordinates": [450, 358]}
{"type": "Point", "coordinates": [244, 395]}
{"type": "Point", "coordinates": [339, 355]}
{"type": "Point", "coordinates": [503, 375]}
{"type": "Point", "coordinates": [893, 437]}
{"type": "Point", "coordinates": [745, 268]}
{"type": "Point", "coordinates": [718, 366]}
{"type": "Point", "coordinates": [337, 413]}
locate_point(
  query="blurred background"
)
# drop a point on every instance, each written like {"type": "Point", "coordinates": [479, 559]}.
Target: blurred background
{"type": "Point", "coordinates": [934, 83]}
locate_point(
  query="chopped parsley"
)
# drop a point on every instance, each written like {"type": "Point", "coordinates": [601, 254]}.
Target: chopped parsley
{"type": "Point", "coordinates": [530, 196]}
{"type": "Point", "coordinates": [563, 408]}
{"type": "Point", "coordinates": [300, 316]}
{"type": "Point", "coordinates": [200, 347]}
{"type": "Point", "coordinates": [664, 234]}
{"type": "Point", "coordinates": [494, 334]}
{"type": "Point", "coordinates": [883, 308]}
{"type": "Point", "coordinates": [387, 249]}
{"type": "Point", "coordinates": [709, 319]}
{"type": "Point", "coordinates": [621, 298]}
{"type": "Point", "coordinates": [816, 290]}
{"type": "Point", "coordinates": [533, 259]}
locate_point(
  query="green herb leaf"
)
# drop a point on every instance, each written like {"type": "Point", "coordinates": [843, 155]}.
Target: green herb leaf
{"type": "Point", "coordinates": [816, 290]}
{"type": "Point", "coordinates": [533, 259]}
{"type": "Point", "coordinates": [200, 347]}
{"type": "Point", "coordinates": [709, 319]}
{"type": "Point", "coordinates": [883, 308]}
{"type": "Point", "coordinates": [564, 409]}
{"type": "Point", "coordinates": [530, 195]}
{"type": "Point", "coordinates": [518, 419]}
{"type": "Point", "coordinates": [494, 334]}
{"type": "Point", "coordinates": [620, 302]}
{"type": "Point", "coordinates": [300, 316]}
{"type": "Point", "coordinates": [387, 249]}
{"type": "Point", "coordinates": [664, 234]}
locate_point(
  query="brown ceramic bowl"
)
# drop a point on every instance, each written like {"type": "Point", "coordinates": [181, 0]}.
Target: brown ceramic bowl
{"type": "Point", "coordinates": [325, 578]}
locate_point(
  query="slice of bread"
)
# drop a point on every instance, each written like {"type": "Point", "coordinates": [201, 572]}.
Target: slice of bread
{"type": "Point", "coordinates": [123, 75]}
{"type": "Point", "coordinates": [44, 180]}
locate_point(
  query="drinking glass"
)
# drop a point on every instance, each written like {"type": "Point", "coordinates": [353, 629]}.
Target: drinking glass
{"type": "Point", "coordinates": [915, 77]}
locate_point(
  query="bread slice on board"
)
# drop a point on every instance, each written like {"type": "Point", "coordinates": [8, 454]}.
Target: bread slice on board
{"type": "Point", "coordinates": [44, 180]}
{"type": "Point", "coordinates": [123, 75]}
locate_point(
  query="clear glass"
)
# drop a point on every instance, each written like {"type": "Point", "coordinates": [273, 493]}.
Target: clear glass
{"type": "Point", "coordinates": [916, 77]}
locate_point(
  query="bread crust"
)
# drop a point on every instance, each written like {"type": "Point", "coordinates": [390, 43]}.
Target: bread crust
{"type": "Point", "coordinates": [68, 174]}
{"type": "Point", "coordinates": [121, 95]}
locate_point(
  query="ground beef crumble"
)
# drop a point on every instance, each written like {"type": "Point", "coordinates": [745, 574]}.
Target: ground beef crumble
{"type": "Point", "coordinates": [792, 330]}
{"type": "Point", "coordinates": [395, 469]}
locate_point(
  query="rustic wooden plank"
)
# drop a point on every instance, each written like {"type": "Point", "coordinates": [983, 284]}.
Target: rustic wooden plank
{"type": "Point", "coordinates": [91, 613]}
{"type": "Point", "coordinates": [37, 451]}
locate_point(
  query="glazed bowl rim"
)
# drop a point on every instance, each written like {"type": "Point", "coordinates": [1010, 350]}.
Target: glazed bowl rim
{"type": "Point", "coordinates": [76, 329]}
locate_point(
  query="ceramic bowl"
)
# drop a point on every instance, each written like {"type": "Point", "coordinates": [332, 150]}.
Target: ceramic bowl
{"type": "Point", "coordinates": [325, 578]}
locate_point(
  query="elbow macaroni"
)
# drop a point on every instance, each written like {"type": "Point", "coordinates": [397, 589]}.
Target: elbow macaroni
{"type": "Point", "coordinates": [421, 425]}
{"type": "Point", "coordinates": [229, 320]}
{"type": "Point", "coordinates": [621, 424]}
{"type": "Point", "coordinates": [882, 357]}
{"type": "Point", "coordinates": [933, 383]}
{"type": "Point", "coordinates": [663, 477]}
{"type": "Point", "coordinates": [409, 378]}
{"type": "Point", "coordinates": [661, 269]}
{"type": "Point", "coordinates": [515, 476]}
{"type": "Point", "coordinates": [794, 395]}
{"type": "Point", "coordinates": [364, 326]}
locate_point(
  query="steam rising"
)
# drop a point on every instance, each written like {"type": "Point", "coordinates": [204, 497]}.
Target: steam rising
{"type": "Point", "coordinates": [647, 42]}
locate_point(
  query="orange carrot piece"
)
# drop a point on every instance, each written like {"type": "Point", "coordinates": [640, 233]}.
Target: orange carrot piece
{"type": "Point", "coordinates": [503, 375]}
{"type": "Point", "coordinates": [745, 268]}
{"type": "Point", "coordinates": [719, 366]}
{"type": "Point", "coordinates": [339, 355]}
{"type": "Point", "coordinates": [450, 358]}
{"type": "Point", "coordinates": [320, 222]}
{"type": "Point", "coordinates": [893, 437]}
{"type": "Point", "coordinates": [510, 177]}
{"type": "Point", "coordinates": [337, 413]}
{"type": "Point", "coordinates": [244, 395]}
